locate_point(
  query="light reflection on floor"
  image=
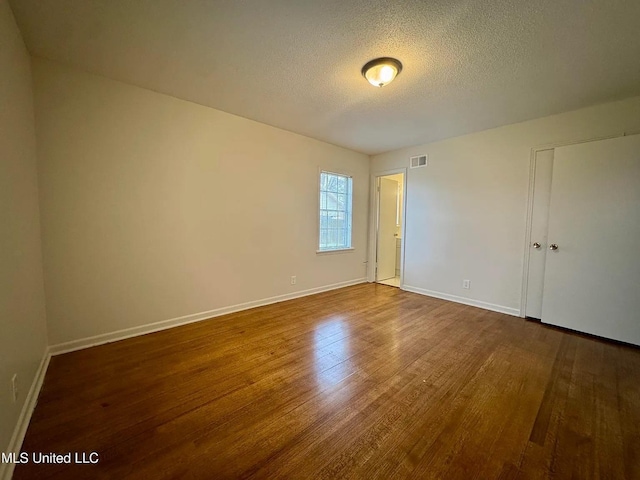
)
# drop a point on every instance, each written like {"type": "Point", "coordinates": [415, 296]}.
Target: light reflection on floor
{"type": "Point", "coordinates": [332, 350]}
{"type": "Point", "coordinates": [392, 282]}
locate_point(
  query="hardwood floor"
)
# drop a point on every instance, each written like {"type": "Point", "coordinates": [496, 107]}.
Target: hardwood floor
{"type": "Point", "coordinates": [363, 382]}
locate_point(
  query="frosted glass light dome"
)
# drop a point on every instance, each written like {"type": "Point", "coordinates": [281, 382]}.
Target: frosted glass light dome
{"type": "Point", "coordinates": [381, 71]}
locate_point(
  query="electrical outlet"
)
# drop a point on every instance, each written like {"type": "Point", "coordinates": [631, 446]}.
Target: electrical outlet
{"type": "Point", "coordinates": [293, 279]}
{"type": "Point", "coordinates": [466, 284]}
{"type": "Point", "coordinates": [14, 387]}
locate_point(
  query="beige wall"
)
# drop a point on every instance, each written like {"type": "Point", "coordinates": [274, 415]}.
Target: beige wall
{"type": "Point", "coordinates": [466, 211]}
{"type": "Point", "coordinates": [23, 336]}
{"type": "Point", "coordinates": [154, 207]}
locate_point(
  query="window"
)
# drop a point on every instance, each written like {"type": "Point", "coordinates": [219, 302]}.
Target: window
{"type": "Point", "coordinates": [336, 198]}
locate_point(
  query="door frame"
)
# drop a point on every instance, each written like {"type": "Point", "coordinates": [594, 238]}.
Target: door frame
{"type": "Point", "coordinates": [374, 214]}
{"type": "Point", "coordinates": [529, 215]}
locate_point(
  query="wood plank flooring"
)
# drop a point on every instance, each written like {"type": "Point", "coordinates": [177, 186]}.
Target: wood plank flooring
{"type": "Point", "coordinates": [362, 382]}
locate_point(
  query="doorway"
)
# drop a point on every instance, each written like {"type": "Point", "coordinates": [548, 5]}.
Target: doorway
{"type": "Point", "coordinates": [389, 228]}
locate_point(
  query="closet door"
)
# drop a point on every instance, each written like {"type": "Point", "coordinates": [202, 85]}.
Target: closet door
{"type": "Point", "coordinates": [592, 272]}
{"type": "Point", "coordinates": [539, 232]}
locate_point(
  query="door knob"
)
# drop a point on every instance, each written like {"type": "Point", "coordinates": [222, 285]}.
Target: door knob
{"type": "Point", "coordinates": [536, 245]}
{"type": "Point", "coordinates": [553, 246]}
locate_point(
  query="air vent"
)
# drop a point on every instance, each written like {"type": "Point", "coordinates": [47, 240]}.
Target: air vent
{"type": "Point", "coordinates": [418, 161]}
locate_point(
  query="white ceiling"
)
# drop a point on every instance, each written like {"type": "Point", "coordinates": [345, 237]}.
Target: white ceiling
{"type": "Point", "coordinates": [295, 64]}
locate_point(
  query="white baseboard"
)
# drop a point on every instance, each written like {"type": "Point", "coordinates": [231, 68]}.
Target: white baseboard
{"type": "Point", "coordinates": [6, 469]}
{"type": "Point", "coordinates": [466, 301]}
{"type": "Point", "coordinates": [195, 317]}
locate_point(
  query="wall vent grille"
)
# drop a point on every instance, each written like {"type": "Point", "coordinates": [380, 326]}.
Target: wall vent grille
{"type": "Point", "coordinates": [418, 161]}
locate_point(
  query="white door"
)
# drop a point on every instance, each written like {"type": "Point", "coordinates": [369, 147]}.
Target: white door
{"type": "Point", "coordinates": [388, 204]}
{"type": "Point", "coordinates": [539, 230]}
{"type": "Point", "coordinates": [592, 279]}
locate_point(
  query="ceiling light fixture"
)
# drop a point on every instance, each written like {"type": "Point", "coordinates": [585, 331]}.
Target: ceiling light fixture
{"type": "Point", "coordinates": [381, 71]}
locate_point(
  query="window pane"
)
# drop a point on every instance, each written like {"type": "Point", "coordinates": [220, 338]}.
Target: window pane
{"type": "Point", "coordinates": [324, 220]}
{"type": "Point", "coordinates": [323, 238]}
{"type": "Point", "coordinates": [332, 238]}
{"type": "Point", "coordinates": [335, 211]}
{"type": "Point", "coordinates": [333, 186]}
{"type": "Point", "coordinates": [342, 184]}
{"type": "Point", "coordinates": [332, 203]}
{"type": "Point", "coordinates": [323, 181]}
{"type": "Point", "coordinates": [333, 220]}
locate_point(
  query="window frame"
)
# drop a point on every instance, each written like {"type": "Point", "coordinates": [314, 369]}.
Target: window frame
{"type": "Point", "coordinates": [330, 251]}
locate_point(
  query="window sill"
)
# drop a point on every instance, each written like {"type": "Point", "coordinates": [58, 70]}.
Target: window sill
{"type": "Point", "coordinates": [336, 251]}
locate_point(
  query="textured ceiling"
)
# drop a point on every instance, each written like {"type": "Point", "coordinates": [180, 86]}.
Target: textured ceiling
{"type": "Point", "coordinates": [468, 65]}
